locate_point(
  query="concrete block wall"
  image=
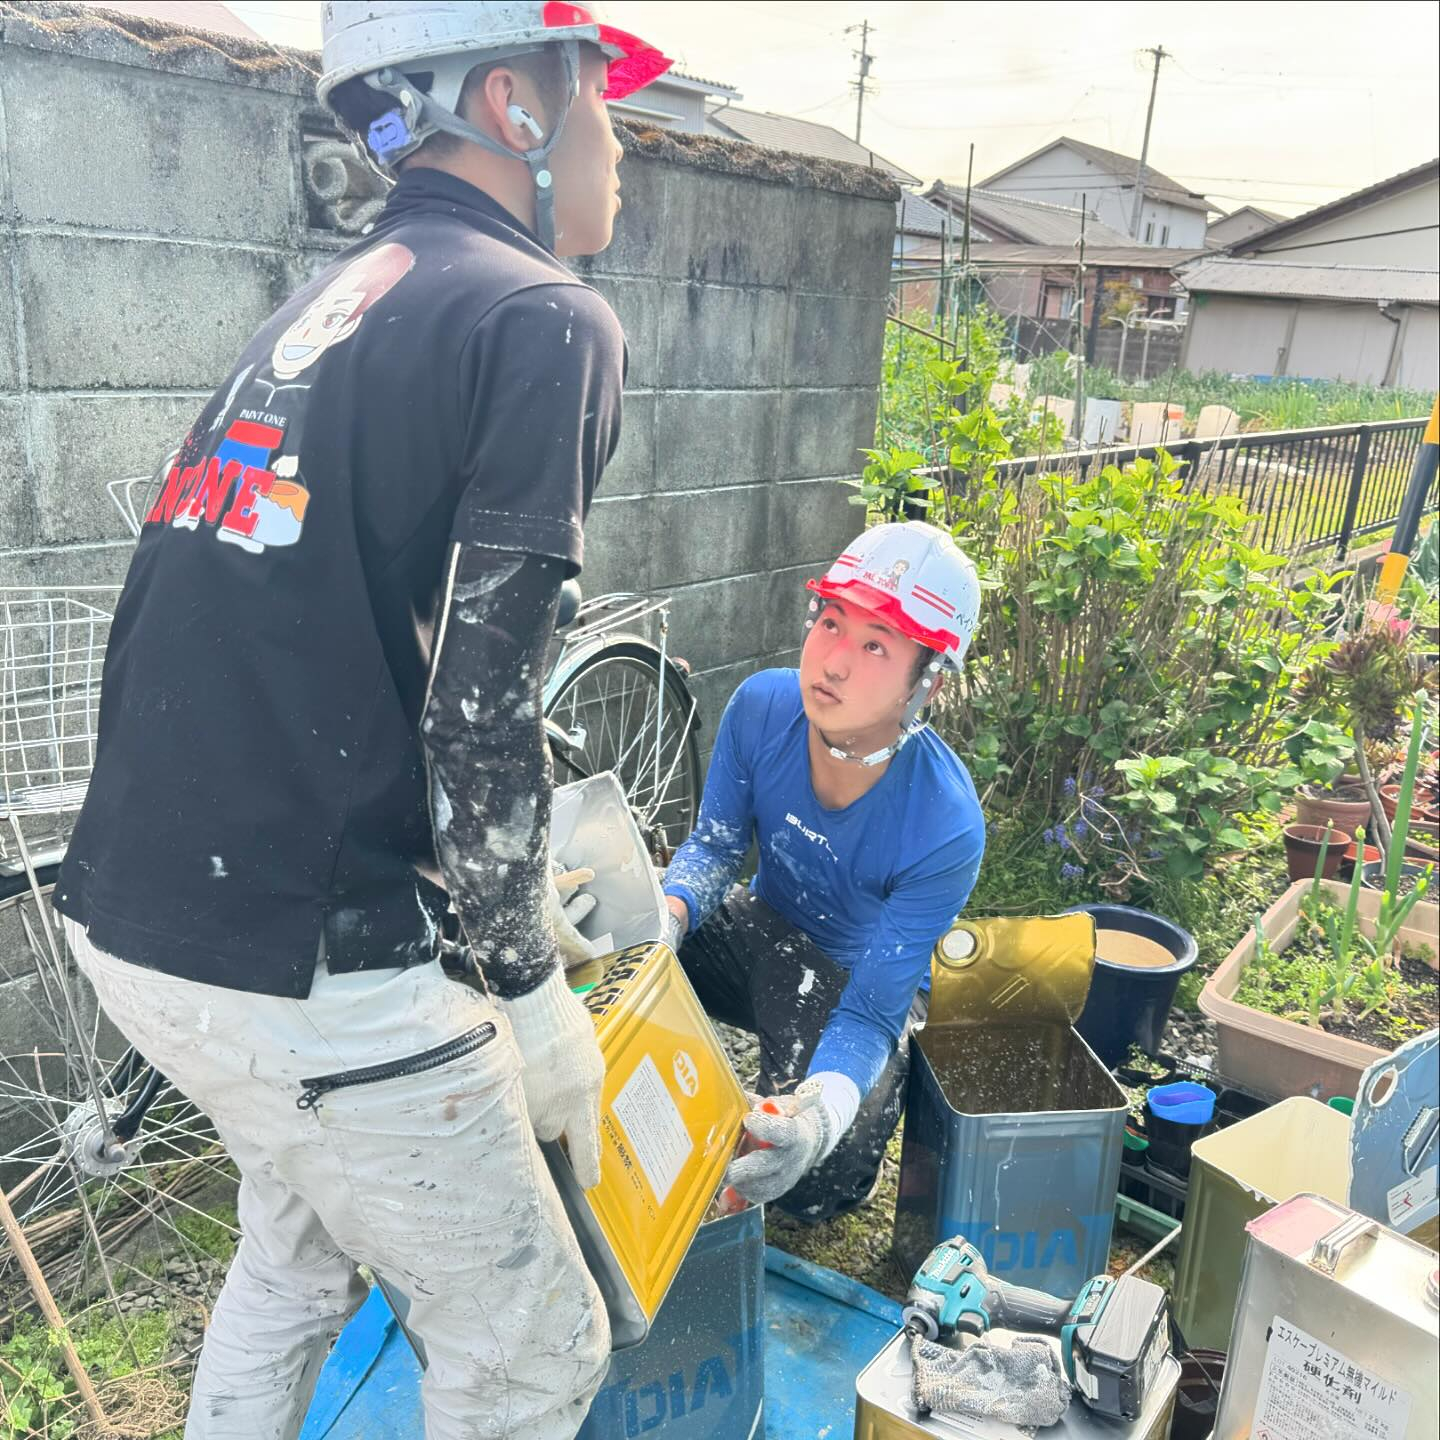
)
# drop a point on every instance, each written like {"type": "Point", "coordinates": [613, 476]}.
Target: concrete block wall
{"type": "Point", "coordinates": [154, 209]}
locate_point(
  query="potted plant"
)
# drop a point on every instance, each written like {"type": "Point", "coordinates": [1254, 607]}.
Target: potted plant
{"type": "Point", "coordinates": [1331, 977]}
{"type": "Point", "coordinates": [1365, 683]}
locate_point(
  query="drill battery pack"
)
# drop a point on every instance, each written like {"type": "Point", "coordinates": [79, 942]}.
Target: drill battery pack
{"type": "Point", "coordinates": [1120, 1341]}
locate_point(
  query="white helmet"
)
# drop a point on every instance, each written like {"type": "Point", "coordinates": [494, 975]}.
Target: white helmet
{"type": "Point", "coordinates": [389, 41]}
{"type": "Point", "coordinates": [916, 579]}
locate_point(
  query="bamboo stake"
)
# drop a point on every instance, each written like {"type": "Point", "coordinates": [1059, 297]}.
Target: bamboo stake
{"type": "Point", "coordinates": [51, 1312]}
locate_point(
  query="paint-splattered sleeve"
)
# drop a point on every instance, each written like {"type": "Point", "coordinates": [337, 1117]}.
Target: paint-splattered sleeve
{"type": "Point", "coordinates": [866, 1023]}
{"type": "Point", "coordinates": [490, 777]}
{"type": "Point", "coordinates": [711, 860]}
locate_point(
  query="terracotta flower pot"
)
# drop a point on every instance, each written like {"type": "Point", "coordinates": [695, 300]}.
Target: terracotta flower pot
{"type": "Point", "coordinates": [1347, 865]}
{"type": "Point", "coordinates": [1314, 806]}
{"type": "Point", "coordinates": [1303, 844]}
{"type": "Point", "coordinates": [1422, 813]}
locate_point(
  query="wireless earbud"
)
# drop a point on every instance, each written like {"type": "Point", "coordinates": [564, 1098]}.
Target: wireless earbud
{"type": "Point", "coordinates": [519, 115]}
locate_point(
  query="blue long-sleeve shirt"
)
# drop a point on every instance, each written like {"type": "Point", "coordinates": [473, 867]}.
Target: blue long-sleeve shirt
{"type": "Point", "coordinates": [874, 885]}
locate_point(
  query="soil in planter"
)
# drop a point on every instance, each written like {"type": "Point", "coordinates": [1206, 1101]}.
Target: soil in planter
{"type": "Point", "coordinates": [1280, 985]}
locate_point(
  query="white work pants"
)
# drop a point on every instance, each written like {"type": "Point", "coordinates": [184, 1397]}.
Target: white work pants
{"type": "Point", "coordinates": [434, 1180]}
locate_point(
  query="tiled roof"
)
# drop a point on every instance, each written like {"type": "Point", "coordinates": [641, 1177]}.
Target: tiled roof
{"type": "Point", "coordinates": [189, 14]}
{"type": "Point", "coordinates": [1025, 220]}
{"type": "Point", "coordinates": [803, 137]}
{"type": "Point", "coordinates": [1158, 186]}
{"type": "Point", "coordinates": [1298, 281]}
{"type": "Point", "coordinates": [1127, 256]}
{"type": "Point", "coordinates": [915, 215]}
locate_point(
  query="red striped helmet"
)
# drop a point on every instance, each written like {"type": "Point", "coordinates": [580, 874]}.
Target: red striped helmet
{"type": "Point", "coordinates": [913, 577]}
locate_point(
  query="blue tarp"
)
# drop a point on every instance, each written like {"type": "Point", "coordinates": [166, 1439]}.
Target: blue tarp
{"type": "Point", "coordinates": [821, 1331]}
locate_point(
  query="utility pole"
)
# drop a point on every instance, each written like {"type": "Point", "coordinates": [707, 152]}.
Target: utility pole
{"type": "Point", "coordinates": [1160, 53]}
{"type": "Point", "coordinates": [864, 56]}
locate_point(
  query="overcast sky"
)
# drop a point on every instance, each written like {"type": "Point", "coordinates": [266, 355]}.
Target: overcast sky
{"type": "Point", "coordinates": [1285, 104]}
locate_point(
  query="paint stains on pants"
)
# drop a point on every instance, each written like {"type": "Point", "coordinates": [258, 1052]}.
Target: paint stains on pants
{"type": "Point", "coordinates": [432, 1179]}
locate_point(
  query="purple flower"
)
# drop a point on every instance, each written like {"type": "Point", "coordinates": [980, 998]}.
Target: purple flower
{"type": "Point", "coordinates": [1069, 785]}
{"type": "Point", "coordinates": [1081, 829]}
{"type": "Point", "coordinates": [1049, 836]}
{"type": "Point", "coordinates": [1152, 853]}
{"type": "Point", "coordinates": [1070, 872]}
{"type": "Point", "coordinates": [1063, 838]}
{"type": "Point", "coordinates": [1096, 792]}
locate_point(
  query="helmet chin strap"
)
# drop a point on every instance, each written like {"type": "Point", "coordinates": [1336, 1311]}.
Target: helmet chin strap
{"type": "Point", "coordinates": [421, 115]}
{"type": "Point", "coordinates": [910, 722]}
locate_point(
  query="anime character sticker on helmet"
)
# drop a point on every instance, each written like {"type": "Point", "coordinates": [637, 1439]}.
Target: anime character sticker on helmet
{"type": "Point", "coordinates": [890, 580]}
{"type": "Point", "coordinates": [336, 314]}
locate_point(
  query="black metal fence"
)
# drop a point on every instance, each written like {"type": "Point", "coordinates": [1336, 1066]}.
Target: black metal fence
{"type": "Point", "coordinates": [1328, 486]}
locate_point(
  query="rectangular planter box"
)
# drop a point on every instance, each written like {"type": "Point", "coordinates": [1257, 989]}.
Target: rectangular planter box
{"type": "Point", "coordinates": [1285, 1057]}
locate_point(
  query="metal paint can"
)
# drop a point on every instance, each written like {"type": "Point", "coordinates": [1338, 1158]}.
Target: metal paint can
{"type": "Point", "coordinates": [1335, 1330]}
{"type": "Point", "coordinates": [700, 1373]}
{"type": "Point", "coordinates": [671, 1108]}
{"type": "Point", "coordinates": [1013, 1127]}
{"type": "Point", "coordinates": [670, 1115]}
{"type": "Point", "coordinates": [883, 1410]}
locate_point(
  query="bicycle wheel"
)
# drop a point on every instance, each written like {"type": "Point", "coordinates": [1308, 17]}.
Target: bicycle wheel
{"type": "Point", "coordinates": [627, 710]}
{"type": "Point", "coordinates": [127, 1241]}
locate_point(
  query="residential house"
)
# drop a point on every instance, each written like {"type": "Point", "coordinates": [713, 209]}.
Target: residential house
{"type": "Point", "coordinates": [1349, 291]}
{"type": "Point", "coordinates": [1394, 222]}
{"type": "Point", "coordinates": [1239, 225]}
{"type": "Point", "coordinates": [1073, 173]}
{"type": "Point", "coordinates": [1372, 324]}
{"type": "Point", "coordinates": [804, 137]}
{"type": "Point", "coordinates": [1026, 252]}
{"type": "Point", "coordinates": [676, 101]}
{"type": "Point", "coordinates": [923, 234]}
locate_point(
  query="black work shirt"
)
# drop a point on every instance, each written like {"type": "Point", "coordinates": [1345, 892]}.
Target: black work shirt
{"type": "Point", "coordinates": [259, 777]}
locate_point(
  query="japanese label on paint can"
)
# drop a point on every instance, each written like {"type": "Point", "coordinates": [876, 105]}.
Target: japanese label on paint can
{"type": "Point", "coordinates": [1308, 1389]}
{"type": "Point", "coordinates": [653, 1124]}
{"type": "Point", "coordinates": [1405, 1200]}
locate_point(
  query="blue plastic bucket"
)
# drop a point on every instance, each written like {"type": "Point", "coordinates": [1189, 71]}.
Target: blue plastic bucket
{"type": "Point", "coordinates": [1176, 1116]}
{"type": "Point", "coordinates": [1129, 1004]}
{"type": "Point", "coordinates": [1183, 1102]}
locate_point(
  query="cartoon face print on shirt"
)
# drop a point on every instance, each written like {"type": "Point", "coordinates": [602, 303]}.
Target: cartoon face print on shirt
{"type": "Point", "coordinates": [336, 314]}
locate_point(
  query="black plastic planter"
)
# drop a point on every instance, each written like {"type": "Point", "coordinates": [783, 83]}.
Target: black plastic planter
{"type": "Point", "coordinates": [1128, 1004]}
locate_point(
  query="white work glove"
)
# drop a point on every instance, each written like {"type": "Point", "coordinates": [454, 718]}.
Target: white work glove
{"type": "Point", "coordinates": [567, 909]}
{"type": "Point", "coordinates": [564, 1071]}
{"type": "Point", "coordinates": [808, 1127]}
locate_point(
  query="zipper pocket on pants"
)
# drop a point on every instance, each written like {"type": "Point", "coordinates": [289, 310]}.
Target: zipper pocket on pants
{"type": "Point", "coordinates": [318, 1086]}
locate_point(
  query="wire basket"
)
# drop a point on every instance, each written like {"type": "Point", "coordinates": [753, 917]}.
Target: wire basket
{"type": "Point", "coordinates": [134, 496]}
{"type": "Point", "coordinates": [52, 648]}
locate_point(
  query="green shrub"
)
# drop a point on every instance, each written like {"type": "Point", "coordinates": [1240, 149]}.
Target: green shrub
{"type": "Point", "coordinates": [1134, 671]}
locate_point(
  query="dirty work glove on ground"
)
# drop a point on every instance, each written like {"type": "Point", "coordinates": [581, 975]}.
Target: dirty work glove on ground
{"type": "Point", "coordinates": [1019, 1384]}
{"type": "Point", "coordinates": [564, 1071]}
{"type": "Point", "coordinates": [567, 908]}
{"type": "Point", "coordinates": [812, 1121]}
